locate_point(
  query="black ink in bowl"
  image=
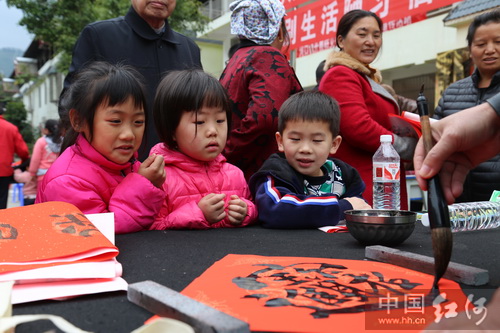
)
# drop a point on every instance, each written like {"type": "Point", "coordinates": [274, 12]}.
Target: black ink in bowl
{"type": "Point", "coordinates": [380, 227]}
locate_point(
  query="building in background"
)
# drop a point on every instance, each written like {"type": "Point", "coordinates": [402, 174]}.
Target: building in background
{"type": "Point", "coordinates": [423, 39]}
{"type": "Point", "coordinates": [40, 94]}
{"type": "Point", "coordinates": [424, 43]}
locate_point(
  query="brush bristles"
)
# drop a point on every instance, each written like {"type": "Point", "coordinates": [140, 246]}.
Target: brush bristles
{"type": "Point", "coordinates": [442, 241]}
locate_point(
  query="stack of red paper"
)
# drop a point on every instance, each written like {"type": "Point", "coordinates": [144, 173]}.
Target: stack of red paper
{"type": "Point", "coordinates": [52, 250]}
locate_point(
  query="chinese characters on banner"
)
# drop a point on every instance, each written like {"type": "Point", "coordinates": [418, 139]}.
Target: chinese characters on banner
{"type": "Point", "coordinates": [312, 27]}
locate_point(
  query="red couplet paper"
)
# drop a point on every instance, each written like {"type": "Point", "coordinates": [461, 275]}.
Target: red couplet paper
{"type": "Point", "coordinates": [296, 294]}
{"type": "Point", "coordinates": [48, 234]}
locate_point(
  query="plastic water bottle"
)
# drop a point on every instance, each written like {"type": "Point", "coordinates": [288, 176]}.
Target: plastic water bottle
{"type": "Point", "coordinates": [386, 176]}
{"type": "Point", "coordinates": [480, 215]}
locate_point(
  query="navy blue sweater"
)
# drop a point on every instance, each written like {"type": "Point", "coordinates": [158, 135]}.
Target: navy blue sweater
{"type": "Point", "coordinates": [278, 191]}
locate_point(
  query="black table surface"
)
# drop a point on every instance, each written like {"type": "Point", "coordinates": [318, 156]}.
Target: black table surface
{"type": "Point", "coordinates": [174, 258]}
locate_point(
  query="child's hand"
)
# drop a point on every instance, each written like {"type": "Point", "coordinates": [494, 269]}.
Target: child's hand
{"type": "Point", "coordinates": [153, 168]}
{"type": "Point", "coordinates": [358, 203]}
{"type": "Point", "coordinates": [236, 210]}
{"type": "Point", "coordinates": [212, 206]}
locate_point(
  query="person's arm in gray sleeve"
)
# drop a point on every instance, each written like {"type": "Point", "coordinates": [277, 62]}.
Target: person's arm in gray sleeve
{"type": "Point", "coordinates": [495, 103]}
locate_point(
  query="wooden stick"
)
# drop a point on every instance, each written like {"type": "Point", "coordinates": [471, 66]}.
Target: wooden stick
{"type": "Point", "coordinates": [425, 124]}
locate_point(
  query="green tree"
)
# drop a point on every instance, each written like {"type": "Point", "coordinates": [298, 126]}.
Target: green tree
{"type": "Point", "coordinates": [16, 113]}
{"type": "Point", "coordinates": [59, 22]}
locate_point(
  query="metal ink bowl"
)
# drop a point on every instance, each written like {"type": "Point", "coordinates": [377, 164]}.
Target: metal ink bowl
{"type": "Point", "coordinates": [380, 227]}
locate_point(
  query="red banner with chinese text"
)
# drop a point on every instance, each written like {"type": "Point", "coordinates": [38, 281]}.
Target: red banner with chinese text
{"type": "Point", "coordinates": [312, 27]}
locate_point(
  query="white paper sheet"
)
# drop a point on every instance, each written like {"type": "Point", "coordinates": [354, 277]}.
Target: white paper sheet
{"type": "Point", "coordinates": [88, 270]}
{"type": "Point", "coordinates": [24, 293]}
{"type": "Point", "coordinates": [70, 280]}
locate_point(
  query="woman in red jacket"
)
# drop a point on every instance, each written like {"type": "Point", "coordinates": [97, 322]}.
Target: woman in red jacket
{"type": "Point", "coordinates": [258, 79]}
{"type": "Point", "coordinates": [364, 104]}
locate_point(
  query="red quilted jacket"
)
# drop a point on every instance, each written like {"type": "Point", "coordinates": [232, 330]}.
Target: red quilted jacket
{"type": "Point", "coordinates": [364, 117]}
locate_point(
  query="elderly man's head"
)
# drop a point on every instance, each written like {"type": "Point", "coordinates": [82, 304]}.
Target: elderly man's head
{"type": "Point", "coordinates": [154, 12]}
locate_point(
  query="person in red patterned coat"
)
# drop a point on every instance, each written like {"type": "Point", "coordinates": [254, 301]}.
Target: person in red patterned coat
{"type": "Point", "coordinates": [258, 79]}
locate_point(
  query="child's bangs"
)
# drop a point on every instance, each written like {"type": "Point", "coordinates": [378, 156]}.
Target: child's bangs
{"type": "Point", "coordinates": [118, 88]}
{"type": "Point", "coordinates": [215, 99]}
{"type": "Point", "coordinates": [197, 94]}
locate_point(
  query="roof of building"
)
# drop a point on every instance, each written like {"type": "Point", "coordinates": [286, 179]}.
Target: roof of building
{"type": "Point", "coordinates": [468, 8]}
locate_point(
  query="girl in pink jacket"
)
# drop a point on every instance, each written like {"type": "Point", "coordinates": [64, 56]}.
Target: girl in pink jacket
{"type": "Point", "coordinates": [46, 150]}
{"type": "Point", "coordinates": [191, 112]}
{"type": "Point", "coordinates": [98, 171]}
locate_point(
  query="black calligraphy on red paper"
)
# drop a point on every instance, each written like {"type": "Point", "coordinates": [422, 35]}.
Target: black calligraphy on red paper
{"type": "Point", "coordinates": [324, 288]}
{"type": "Point", "coordinates": [75, 224]}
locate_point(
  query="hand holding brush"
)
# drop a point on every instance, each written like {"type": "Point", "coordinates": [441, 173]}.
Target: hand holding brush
{"type": "Point", "coordinates": [463, 140]}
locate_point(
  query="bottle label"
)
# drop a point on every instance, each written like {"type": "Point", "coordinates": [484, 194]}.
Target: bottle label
{"type": "Point", "coordinates": [495, 196]}
{"type": "Point", "coordinates": [385, 171]}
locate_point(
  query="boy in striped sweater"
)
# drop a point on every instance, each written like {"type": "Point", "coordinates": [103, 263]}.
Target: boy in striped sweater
{"type": "Point", "coordinates": [302, 186]}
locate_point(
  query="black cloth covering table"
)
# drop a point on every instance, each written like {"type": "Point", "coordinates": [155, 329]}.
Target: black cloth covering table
{"type": "Point", "coordinates": [174, 258]}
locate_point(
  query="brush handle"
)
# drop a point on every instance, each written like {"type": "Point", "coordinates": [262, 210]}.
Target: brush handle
{"type": "Point", "coordinates": [426, 133]}
{"type": "Point", "coordinates": [438, 213]}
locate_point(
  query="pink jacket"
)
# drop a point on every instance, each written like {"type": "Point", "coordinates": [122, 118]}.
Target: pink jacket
{"type": "Point", "coordinates": [188, 181]}
{"type": "Point", "coordinates": [42, 158]}
{"type": "Point", "coordinates": [29, 188]}
{"type": "Point", "coordinates": [94, 184]}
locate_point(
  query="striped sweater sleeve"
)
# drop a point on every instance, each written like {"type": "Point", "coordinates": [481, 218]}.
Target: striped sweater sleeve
{"type": "Point", "coordinates": [281, 208]}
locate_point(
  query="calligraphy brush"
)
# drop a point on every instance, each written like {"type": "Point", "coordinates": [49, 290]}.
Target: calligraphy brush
{"type": "Point", "coordinates": [439, 217]}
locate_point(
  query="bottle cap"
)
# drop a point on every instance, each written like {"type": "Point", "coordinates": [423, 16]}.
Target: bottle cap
{"type": "Point", "coordinates": [386, 138]}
